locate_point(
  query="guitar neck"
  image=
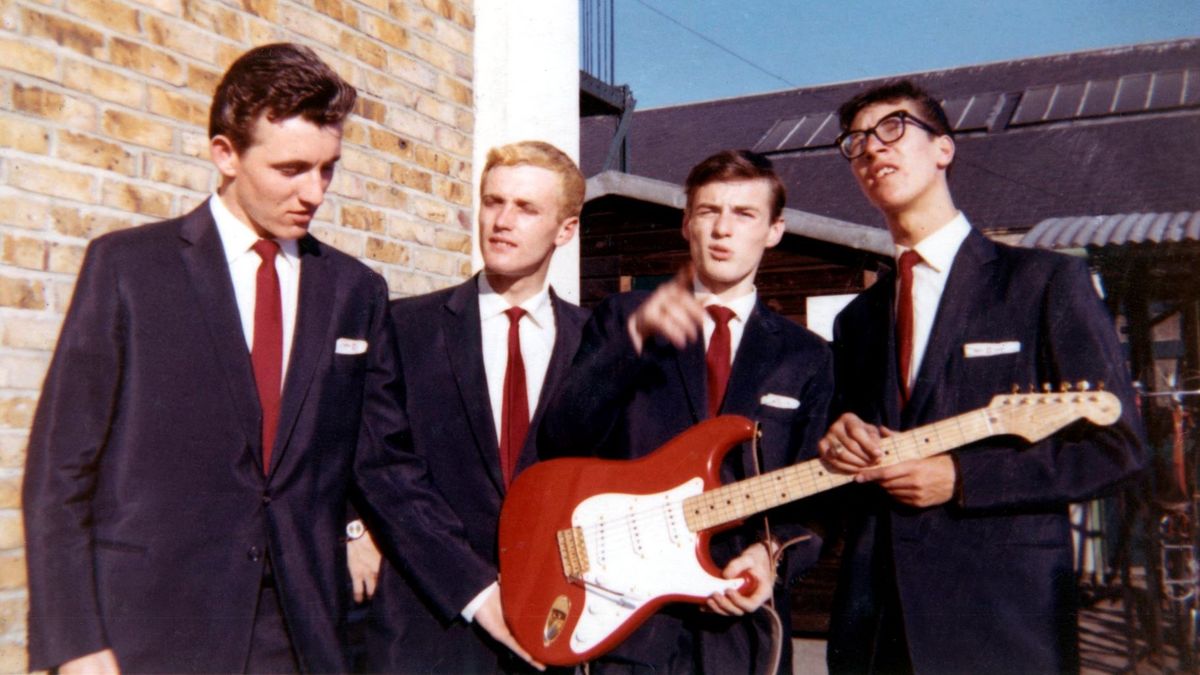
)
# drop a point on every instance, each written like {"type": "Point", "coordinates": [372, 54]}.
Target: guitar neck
{"type": "Point", "coordinates": [736, 501]}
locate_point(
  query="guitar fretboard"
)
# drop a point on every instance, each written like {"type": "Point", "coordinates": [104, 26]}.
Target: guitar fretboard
{"type": "Point", "coordinates": [739, 500]}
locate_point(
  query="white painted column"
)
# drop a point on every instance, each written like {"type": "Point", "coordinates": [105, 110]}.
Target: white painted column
{"type": "Point", "coordinates": [527, 88]}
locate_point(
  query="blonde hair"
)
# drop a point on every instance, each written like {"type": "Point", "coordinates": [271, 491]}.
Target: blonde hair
{"type": "Point", "coordinates": [545, 156]}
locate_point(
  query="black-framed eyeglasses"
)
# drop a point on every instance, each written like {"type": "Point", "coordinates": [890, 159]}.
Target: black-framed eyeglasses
{"type": "Point", "coordinates": [888, 130]}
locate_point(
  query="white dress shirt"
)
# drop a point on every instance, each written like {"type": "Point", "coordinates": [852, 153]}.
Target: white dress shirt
{"type": "Point", "coordinates": [937, 253]}
{"type": "Point", "coordinates": [238, 238]}
{"type": "Point", "coordinates": [537, 330]}
{"type": "Point", "coordinates": [741, 308]}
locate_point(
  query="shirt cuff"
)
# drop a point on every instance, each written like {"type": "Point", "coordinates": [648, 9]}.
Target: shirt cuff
{"type": "Point", "coordinates": [473, 606]}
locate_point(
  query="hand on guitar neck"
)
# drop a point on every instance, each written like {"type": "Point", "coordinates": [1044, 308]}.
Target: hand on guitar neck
{"type": "Point", "coordinates": [853, 446]}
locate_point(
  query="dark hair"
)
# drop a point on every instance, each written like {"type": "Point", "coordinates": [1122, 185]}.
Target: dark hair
{"type": "Point", "coordinates": [898, 90]}
{"type": "Point", "coordinates": [282, 80]}
{"type": "Point", "coordinates": [736, 165]}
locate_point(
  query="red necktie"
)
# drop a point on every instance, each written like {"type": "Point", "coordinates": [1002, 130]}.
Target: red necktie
{"type": "Point", "coordinates": [717, 358]}
{"type": "Point", "coordinates": [514, 416]}
{"type": "Point", "coordinates": [266, 355]}
{"type": "Point", "coordinates": [904, 319]}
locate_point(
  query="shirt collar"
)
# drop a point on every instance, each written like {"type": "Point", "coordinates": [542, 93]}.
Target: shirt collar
{"type": "Point", "coordinates": [237, 238]}
{"type": "Point", "coordinates": [741, 306]}
{"type": "Point", "coordinates": [938, 249]}
{"type": "Point", "coordinates": [492, 304]}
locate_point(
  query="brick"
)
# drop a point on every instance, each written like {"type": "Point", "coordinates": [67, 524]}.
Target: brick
{"type": "Point", "coordinates": [389, 196]}
{"type": "Point", "coordinates": [18, 210]}
{"type": "Point", "coordinates": [267, 9]}
{"type": "Point", "coordinates": [26, 252]}
{"type": "Point", "coordinates": [354, 132]}
{"type": "Point", "coordinates": [363, 218]}
{"type": "Point", "coordinates": [16, 412]}
{"type": "Point", "coordinates": [391, 90]}
{"type": "Point", "coordinates": [13, 657]}
{"type": "Point", "coordinates": [30, 333]}
{"type": "Point", "coordinates": [73, 223]}
{"type": "Point", "coordinates": [371, 109]}
{"type": "Point", "coordinates": [348, 185]}
{"type": "Point", "coordinates": [23, 56]}
{"type": "Point", "coordinates": [435, 262]}
{"type": "Point", "coordinates": [136, 199]}
{"type": "Point", "coordinates": [457, 242]}
{"type": "Point", "coordinates": [412, 177]}
{"type": "Point", "coordinates": [24, 135]}
{"type": "Point", "coordinates": [428, 209]}
{"type": "Point", "coordinates": [410, 124]}
{"type": "Point", "coordinates": [387, 30]}
{"type": "Point", "coordinates": [167, 169]}
{"type": "Point", "coordinates": [215, 18]}
{"type": "Point", "coordinates": [65, 258]}
{"type": "Point", "coordinates": [203, 80]}
{"type": "Point", "coordinates": [388, 142]}
{"type": "Point", "coordinates": [146, 60]}
{"type": "Point", "coordinates": [431, 106]}
{"type": "Point", "coordinates": [22, 293]}
{"type": "Point", "coordinates": [51, 105]}
{"type": "Point", "coordinates": [24, 371]}
{"type": "Point", "coordinates": [193, 144]}
{"type": "Point", "coordinates": [451, 140]}
{"type": "Point", "coordinates": [64, 32]}
{"type": "Point", "coordinates": [171, 7]}
{"type": "Point", "coordinates": [93, 151]}
{"type": "Point", "coordinates": [58, 294]}
{"type": "Point", "coordinates": [104, 83]}
{"type": "Point", "coordinates": [456, 91]}
{"type": "Point", "coordinates": [49, 180]}
{"type": "Point", "coordinates": [386, 251]}
{"type": "Point", "coordinates": [412, 70]}
{"type": "Point", "coordinates": [453, 191]}
{"type": "Point", "coordinates": [442, 8]}
{"type": "Point", "coordinates": [189, 109]}
{"type": "Point", "coordinates": [10, 498]}
{"type": "Point", "coordinates": [12, 573]}
{"type": "Point", "coordinates": [432, 159]}
{"type": "Point", "coordinates": [464, 121]}
{"type": "Point", "coordinates": [13, 609]}
{"type": "Point", "coordinates": [309, 25]}
{"type": "Point", "coordinates": [181, 37]}
{"type": "Point", "coordinates": [405, 229]}
{"type": "Point", "coordinates": [379, 5]}
{"type": "Point", "coordinates": [351, 243]}
{"type": "Point", "coordinates": [364, 50]}
{"type": "Point", "coordinates": [137, 129]}
{"type": "Point", "coordinates": [114, 15]}
{"type": "Point", "coordinates": [360, 162]}
{"type": "Point", "coordinates": [338, 10]}
{"type": "Point", "coordinates": [12, 447]}
{"type": "Point", "coordinates": [454, 37]}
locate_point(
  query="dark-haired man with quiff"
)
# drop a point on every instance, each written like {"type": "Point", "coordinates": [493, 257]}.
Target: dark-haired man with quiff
{"type": "Point", "coordinates": [221, 381]}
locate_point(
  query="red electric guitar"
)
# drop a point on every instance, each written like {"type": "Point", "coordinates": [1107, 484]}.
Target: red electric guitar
{"type": "Point", "coordinates": [590, 548]}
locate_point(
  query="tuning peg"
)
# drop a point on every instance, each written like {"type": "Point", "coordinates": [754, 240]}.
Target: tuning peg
{"type": "Point", "coordinates": [1046, 388]}
{"type": "Point", "coordinates": [1016, 388]}
{"type": "Point", "coordinates": [1083, 385]}
{"type": "Point", "coordinates": [1064, 387]}
{"type": "Point", "coordinates": [1032, 388]}
{"type": "Point", "coordinates": [1100, 385]}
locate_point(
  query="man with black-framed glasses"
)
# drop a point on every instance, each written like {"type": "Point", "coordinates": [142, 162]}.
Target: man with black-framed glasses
{"type": "Point", "coordinates": [960, 562]}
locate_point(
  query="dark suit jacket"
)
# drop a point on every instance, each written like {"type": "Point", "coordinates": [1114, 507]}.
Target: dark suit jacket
{"type": "Point", "coordinates": [985, 584]}
{"type": "Point", "coordinates": [147, 513]}
{"type": "Point", "coordinates": [619, 405]}
{"type": "Point", "coordinates": [453, 430]}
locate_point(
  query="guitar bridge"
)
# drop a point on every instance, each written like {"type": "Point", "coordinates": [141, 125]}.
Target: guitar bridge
{"type": "Point", "coordinates": [573, 550]}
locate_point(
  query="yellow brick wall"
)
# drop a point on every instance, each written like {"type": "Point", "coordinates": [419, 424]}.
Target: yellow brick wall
{"type": "Point", "coordinates": [103, 126]}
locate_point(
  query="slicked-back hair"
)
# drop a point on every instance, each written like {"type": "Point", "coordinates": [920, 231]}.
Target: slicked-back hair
{"type": "Point", "coordinates": [282, 81]}
{"type": "Point", "coordinates": [545, 156]}
{"type": "Point", "coordinates": [891, 92]}
{"type": "Point", "coordinates": [730, 166]}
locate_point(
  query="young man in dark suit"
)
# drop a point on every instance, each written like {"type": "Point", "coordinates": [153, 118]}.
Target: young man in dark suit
{"type": "Point", "coordinates": [961, 562]}
{"type": "Point", "coordinates": [480, 360]}
{"type": "Point", "coordinates": [221, 380]}
{"type": "Point", "coordinates": [703, 344]}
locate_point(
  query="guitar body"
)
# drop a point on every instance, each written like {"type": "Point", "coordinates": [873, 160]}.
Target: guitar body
{"type": "Point", "coordinates": [619, 527]}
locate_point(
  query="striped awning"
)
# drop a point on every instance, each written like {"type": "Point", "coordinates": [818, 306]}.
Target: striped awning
{"type": "Point", "coordinates": [1114, 230]}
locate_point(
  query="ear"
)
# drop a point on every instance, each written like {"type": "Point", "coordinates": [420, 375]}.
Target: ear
{"type": "Point", "coordinates": [566, 230]}
{"type": "Point", "coordinates": [945, 150]}
{"type": "Point", "coordinates": [775, 232]}
{"type": "Point", "coordinates": [223, 154]}
{"type": "Point", "coordinates": [684, 230]}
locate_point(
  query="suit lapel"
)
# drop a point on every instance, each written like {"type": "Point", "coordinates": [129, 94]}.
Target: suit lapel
{"type": "Point", "coordinates": [566, 338]}
{"type": "Point", "coordinates": [464, 351]}
{"type": "Point", "coordinates": [756, 355]}
{"type": "Point", "coordinates": [309, 339]}
{"type": "Point", "coordinates": [968, 281]}
{"type": "Point", "coordinates": [204, 260]}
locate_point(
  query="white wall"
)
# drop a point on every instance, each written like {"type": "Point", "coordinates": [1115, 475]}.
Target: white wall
{"type": "Point", "coordinates": [527, 88]}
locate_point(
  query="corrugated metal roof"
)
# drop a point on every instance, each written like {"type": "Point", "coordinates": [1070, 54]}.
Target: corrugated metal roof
{"type": "Point", "coordinates": [1115, 230]}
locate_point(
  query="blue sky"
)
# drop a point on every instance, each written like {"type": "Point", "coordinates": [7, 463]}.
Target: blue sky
{"type": "Point", "coordinates": [797, 42]}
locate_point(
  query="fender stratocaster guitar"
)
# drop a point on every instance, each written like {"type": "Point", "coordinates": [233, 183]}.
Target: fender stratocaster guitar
{"type": "Point", "coordinates": [590, 548]}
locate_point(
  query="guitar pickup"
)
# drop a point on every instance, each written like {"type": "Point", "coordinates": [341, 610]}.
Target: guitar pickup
{"type": "Point", "coordinates": [573, 550]}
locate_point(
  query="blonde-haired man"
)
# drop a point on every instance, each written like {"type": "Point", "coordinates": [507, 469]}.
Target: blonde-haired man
{"type": "Point", "coordinates": [480, 361]}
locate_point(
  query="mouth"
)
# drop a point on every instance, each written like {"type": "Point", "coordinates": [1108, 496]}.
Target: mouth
{"type": "Point", "coordinates": [719, 253]}
{"type": "Point", "coordinates": [882, 171]}
{"type": "Point", "coordinates": [501, 244]}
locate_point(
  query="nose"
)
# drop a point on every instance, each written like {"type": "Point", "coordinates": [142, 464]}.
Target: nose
{"type": "Point", "coordinates": [872, 144]}
{"type": "Point", "coordinates": [503, 219]}
{"type": "Point", "coordinates": [312, 188]}
{"type": "Point", "coordinates": [723, 224]}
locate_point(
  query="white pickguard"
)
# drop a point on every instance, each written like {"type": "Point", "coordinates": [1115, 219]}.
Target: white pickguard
{"type": "Point", "coordinates": [639, 548]}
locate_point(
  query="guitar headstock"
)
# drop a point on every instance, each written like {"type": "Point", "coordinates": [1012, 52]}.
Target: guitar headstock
{"type": "Point", "coordinates": [1034, 416]}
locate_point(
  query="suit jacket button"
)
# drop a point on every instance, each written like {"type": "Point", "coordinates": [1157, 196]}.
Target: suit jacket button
{"type": "Point", "coordinates": [266, 499]}
{"type": "Point", "coordinates": [254, 555]}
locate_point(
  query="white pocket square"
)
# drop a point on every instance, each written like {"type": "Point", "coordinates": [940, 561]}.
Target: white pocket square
{"type": "Point", "coordinates": [973, 350]}
{"type": "Point", "coordinates": [779, 401]}
{"type": "Point", "coordinates": [350, 346]}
